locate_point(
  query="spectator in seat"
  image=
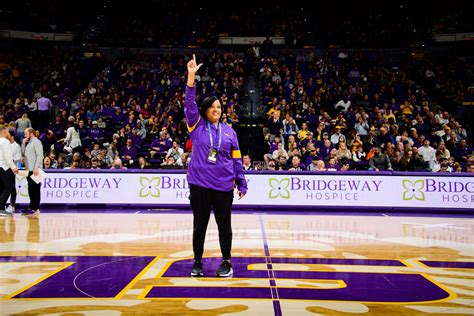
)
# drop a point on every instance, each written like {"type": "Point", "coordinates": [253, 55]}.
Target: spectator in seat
{"type": "Point", "coordinates": [296, 164]}
{"type": "Point", "coordinates": [290, 128]}
{"type": "Point", "coordinates": [332, 165]}
{"type": "Point", "coordinates": [128, 153]}
{"type": "Point", "coordinates": [443, 150]}
{"type": "Point", "coordinates": [112, 153]}
{"type": "Point", "coordinates": [337, 134]}
{"type": "Point", "coordinates": [101, 164]}
{"type": "Point", "coordinates": [169, 163]}
{"type": "Point", "coordinates": [379, 161]}
{"type": "Point", "coordinates": [96, 150]}
{"type": "Point", "coordinates": [176, 151]}
{"type": "Point", "coordinates": [183, 161]}
{"type": "Point", "coordinates": [407, 163]}
{"type": "Point", "coordinates": [62, 164]}
{"type": "Point", "coordinates": [308, 140]}
{"type": "Point", "coordinates": [282, 163]}
{"type": "Point", "coordinates": [303, 132]}
{"type": "Point", "coordinates": [247, 163]}
{"type": "Point", "coordinates": [275, 126]}
{"type": "Point", "coordinates": [58, 127]}
{"type": "Point", "coordinates": [142, 163]}
{"type": "Point", "coordinates": [160, 145]}
{"type": "Point", "coordinates": [96, 134]}
{"type": "Point", "coordinates": [271, 165]}
{"type": "Point", "coordinates": [461, 151]}
{"type": "Point", "coordinates": [428, 153]}
{"type": "Point", "coordinates": [359, 155]}
{"type": "Point", "coordinates": [280, 152]}
{"type": "Point", "coordinates": [343, 153]}
{"type": "Point", "coordinates": [326, 149]}
{"type": "Point", "coordinates": [117, 164]}
{"type": "Point", "coordinates": [470, 167]}
{"type": "Point", "coordinates": [343, 105]}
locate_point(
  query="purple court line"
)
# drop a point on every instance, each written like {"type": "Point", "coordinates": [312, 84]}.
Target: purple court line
{"type": "Point", "coordinates": [271, 276]}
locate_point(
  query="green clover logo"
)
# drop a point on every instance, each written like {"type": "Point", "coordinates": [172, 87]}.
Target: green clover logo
{"type": "Point", "coordinates": [279, 188]}
{"type": "Point", "coordinates": [150, 187]}
{"type": "Point", "coordinates": [22, 186]}
{"type": "Point", "coordinates": [413, 190]}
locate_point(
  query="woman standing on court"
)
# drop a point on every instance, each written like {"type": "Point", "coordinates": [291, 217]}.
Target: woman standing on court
{"type": "Point", "coordinates": [215, 167]}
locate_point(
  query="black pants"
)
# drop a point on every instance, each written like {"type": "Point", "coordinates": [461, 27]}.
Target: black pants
{"type": "Point", "coordinates": [34, 191]}
{"type": "Point", "coordinates": [202, 199]}
{"type": "Point", "coordinates": [5, 186]}
{"type": "Point", "coordinates": [43, 120]}
{"type": "Point", "coordinates": [13, 188]}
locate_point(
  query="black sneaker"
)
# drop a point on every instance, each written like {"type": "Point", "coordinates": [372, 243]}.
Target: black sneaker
{"type": "Point", "coordinates": [197, 269]}
{"type": "Point", "coordinates": [28, 212]}
{"type": "Point", "coordinates": [225, 270]}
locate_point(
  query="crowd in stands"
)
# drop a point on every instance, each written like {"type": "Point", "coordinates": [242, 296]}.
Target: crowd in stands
{"type": "Point", "coordinates": [353, 111]}
{"type": "Point", "coordinates": [335, 111]}
{"type": "Point", "coordinates": [130, 116]}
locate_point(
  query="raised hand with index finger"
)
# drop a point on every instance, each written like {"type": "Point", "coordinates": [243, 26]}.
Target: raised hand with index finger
{"type": "Point", "coordinates": [193, 67]}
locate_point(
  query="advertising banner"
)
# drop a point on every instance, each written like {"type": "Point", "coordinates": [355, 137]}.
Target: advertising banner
{"type": "Point", "coordinates": [278, 190]}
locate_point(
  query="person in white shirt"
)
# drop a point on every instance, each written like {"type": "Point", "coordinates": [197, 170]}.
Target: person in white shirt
{"type": "Point", "coordinates": [176, 151]}
{"type": "Point", "coordinates": [335, 137]}
{"type": "Point", "coordinates": [72, 142]}
{"type": "Point", "coordinates": [7, 167]}
{"type": "Point", "coordinates": [16, 154]}
{"type": "Point", "coordinates": [428, 153]}
{"type": "Point", "coordinates": [280, 152]}
{"type": "Point", "coordinates": [343, 105]}
{"type": "Point", "coordinates": [362, 126]}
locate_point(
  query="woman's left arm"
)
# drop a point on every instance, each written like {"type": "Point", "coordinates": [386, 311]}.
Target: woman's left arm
{"type": "Point", "coordinates": [237, 165]}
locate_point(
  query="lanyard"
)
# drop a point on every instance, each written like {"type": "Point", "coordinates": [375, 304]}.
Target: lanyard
{"type": "Point", "coordinates": [210, 135]}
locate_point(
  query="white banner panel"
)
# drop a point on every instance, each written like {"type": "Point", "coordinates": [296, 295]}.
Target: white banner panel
{"type": "Point", "coordinates": [110, 188]}
{"type": "Point", "coordinates": [433, 192]}
{"type": "Point", "coordinates": [278, 190]}
{"type": "Point", "coordinates": [308, 190]}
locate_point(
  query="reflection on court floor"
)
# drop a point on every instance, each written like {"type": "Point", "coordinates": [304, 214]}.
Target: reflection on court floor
{"type": "Point", "coordinates": [112, 264]}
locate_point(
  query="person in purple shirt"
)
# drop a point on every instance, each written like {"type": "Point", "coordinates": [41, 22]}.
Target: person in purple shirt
{"type": "Point", "coordinates": [214, 168]}
{"type": "Point", "coordinates": [117, 116]}
{"type": "Point", "coordinates": [96, 133]}
{"type": "Point", "coordinates": [161, 144]}
{"type": "Point", "coordinates": [58, 127]}
{"type": "Point", "coordinates": [332, 165]}
{"type": "Point", "coordinates": [129, 153]}
{"type": "Point", "coordinates": [44, 108]}
{"type": "Point", "coordinates": [136, 139]}
{"type": "Point", "coordinates": [107, 111]}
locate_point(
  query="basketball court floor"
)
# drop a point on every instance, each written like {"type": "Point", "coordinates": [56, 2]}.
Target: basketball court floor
{"type": "Point", "coordinates": [87, 262]}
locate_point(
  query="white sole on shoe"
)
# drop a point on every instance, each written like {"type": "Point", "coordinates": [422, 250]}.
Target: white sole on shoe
{"type": "Point", "coordinates": [226, 274]}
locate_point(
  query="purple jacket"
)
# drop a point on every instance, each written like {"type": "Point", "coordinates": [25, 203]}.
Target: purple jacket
{"type": "Point", "coordinates": [228, 169]}
{"type": "Point", "coordinates": [132, 152]}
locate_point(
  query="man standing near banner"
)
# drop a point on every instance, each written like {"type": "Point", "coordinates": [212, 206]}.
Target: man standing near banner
{"type": "Point", "coordinates": [32, 150]}
{"type": "Point", "coordinates": [7, 170]}
{"type": "Point", "coordinates": [16, 154]}
{"type": "Point", "coordinates": [215, 166]}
